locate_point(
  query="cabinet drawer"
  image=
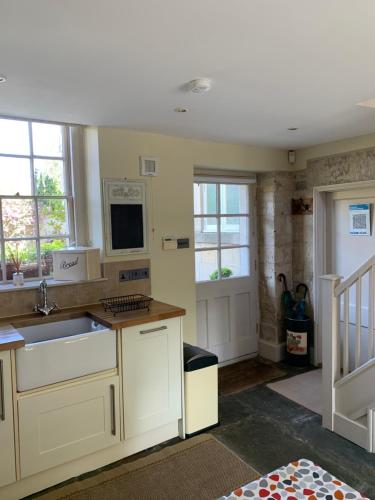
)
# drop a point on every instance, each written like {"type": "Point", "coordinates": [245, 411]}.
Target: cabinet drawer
{"type": "Point", "coordinates": [61, 425]}
{"type": "Point", "coordinates": [152, 375]}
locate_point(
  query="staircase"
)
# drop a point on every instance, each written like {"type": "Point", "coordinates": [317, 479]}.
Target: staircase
{"type": "Point", "coordinates": [347, 325]}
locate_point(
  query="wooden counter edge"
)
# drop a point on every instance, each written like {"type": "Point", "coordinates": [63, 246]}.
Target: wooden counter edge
{"type": "Point", "coordinates": [10, 338]}
{"type": "Point", "coordinates": [118, 323]}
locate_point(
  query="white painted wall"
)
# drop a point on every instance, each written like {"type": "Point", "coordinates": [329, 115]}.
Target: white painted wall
{"type": "Point", "coordinates": [349, 251]}
{"type": "Point", "coordinates": [114, 152]}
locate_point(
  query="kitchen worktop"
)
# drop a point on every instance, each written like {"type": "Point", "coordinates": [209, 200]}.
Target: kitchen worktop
{"type": "Point", "coordinates": [157, 312]}
{"type": "Point", "coordinates": [10, 338]}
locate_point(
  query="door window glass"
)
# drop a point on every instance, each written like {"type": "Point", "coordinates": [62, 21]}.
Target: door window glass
{"type": "Point", "coordinates": [221, 228]}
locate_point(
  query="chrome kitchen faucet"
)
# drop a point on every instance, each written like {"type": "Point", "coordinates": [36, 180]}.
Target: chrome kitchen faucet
{"type": "Point", "coordinates": [45, 308]}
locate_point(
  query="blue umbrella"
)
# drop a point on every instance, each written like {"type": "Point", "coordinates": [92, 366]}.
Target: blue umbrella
{"type": "Point", "coordinates": [300, 308]}
{"type": "Point", "coordinates": [286, 297]}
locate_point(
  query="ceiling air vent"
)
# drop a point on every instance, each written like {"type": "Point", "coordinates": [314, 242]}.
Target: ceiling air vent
{"type": "Point", "coordinates": [149, 165]}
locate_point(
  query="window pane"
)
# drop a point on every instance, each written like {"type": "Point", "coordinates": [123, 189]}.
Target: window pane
{"type": "Point", "coordinates": [14, 137]}
{"type": "Point", "coordinates": [18, 218]}
{"type": "Point", "coordinates": [47, 139]}
{"type": "Point", "coordinates": [234, 199]}
{"type": "Point", "coordinates": [27, 255]}
{"type": "Point", "coordinates": [15, 176]}
{"type": "Point", "coordinates": [205, 265]}
{"type": "Point", "coordinates": [53, 217]}
{"type": "Point", "coordinates": [49, 177]}
{"type": "Point", "coordinates": [205, 199]}
{"type": "Point", "coordinates": [46, 249]}
{"type": "Point", "coordinates": [205, 232]}
{"type": "Point", "coordinates": [234, 231]}
{"type": "Point", "coordinates": [235, 262]}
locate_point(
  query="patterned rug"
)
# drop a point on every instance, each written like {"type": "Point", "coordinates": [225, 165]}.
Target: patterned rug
{"type": "Point", "coordinates": [299, 480]}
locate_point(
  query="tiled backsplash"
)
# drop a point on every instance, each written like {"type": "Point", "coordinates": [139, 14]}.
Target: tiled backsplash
{"type": "Point", "coordinates": [14, 302]}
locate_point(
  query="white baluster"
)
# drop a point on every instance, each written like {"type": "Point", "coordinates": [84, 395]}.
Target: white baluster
{"type": "Point", "coordinates": [331, 351]}
{"type": "Point", "coordinates": [370, 307]}
{"type": "Point", "coordinates": [358, 320]}
{"type": "Point", "coordinates": [345, 360]}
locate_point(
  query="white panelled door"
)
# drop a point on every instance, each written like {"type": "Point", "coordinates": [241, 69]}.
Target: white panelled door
{"type": "Point", "coordinates": [225, 267]}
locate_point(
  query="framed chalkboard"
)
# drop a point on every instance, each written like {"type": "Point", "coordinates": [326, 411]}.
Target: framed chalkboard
{"type": "Point", "coordinates": [125, 216]}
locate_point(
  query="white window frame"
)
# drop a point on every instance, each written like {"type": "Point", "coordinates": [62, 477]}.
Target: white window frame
{"type": "Point", "coordinates": [68, 196]}
{"type": "Point", "coordinates": [218, 216]}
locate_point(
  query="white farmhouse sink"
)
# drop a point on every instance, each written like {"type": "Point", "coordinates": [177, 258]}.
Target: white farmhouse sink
{"type": "Point", "coordinates": [62, 350]}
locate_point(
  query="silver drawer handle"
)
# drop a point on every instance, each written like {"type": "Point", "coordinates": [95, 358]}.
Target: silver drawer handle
{"type": "Point", "coordinates": [113, 410]}
{"type": "Point", "coordinates": [151, 330]}
{"type": "Point", "coordinates": [2, 414]}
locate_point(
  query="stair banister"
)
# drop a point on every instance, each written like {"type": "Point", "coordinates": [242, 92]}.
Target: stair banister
{"type": "Point", "coordinates": [330, 316]}
{"type": "Point", "coordinates": [363, 269]}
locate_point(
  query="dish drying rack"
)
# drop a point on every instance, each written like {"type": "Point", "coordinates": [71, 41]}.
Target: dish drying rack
{"type": "Point", "coordinates": [126, 303]}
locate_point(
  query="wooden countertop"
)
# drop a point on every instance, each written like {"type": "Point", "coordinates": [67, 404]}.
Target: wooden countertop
{"type": "Point", "coordinates": [157, 312]}
{"type": "Point", "coordinates": [11, 339]}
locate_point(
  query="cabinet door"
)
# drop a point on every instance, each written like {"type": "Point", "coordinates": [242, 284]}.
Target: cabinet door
{"type": "Point", "coordinates": [61, 425]}
{"type": "Point", "coordinates": [152, 375]}
{"type": "Point", "coordinates": [7, 455]}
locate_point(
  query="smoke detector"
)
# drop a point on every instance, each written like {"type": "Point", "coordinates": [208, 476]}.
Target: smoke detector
{"type": "Point", "coordinates": [199, 85]}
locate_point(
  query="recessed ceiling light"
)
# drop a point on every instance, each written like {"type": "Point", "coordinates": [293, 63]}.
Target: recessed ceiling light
{"type": "Point", "coordinates": [181, 109]}
{"type": "Point", "coordinates": [370, 103]}
{"type": "Point", "coordinates": [292, 129]}
{"type": "Point", "coordinates": [3, 78]}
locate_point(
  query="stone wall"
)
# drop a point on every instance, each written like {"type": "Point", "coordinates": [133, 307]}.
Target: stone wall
{"type": "Point", "coordinates": [275, 242]}
{"type": "Point", "coordinates": [285, 240]}
{"type": "Point", "coordinates": [18, 301]}
{"type": "Point", "coordinates": [338, 169]}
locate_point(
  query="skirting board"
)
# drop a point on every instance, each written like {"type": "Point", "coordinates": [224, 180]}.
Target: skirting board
{"type": "Point", "coordinates": [274, 352]}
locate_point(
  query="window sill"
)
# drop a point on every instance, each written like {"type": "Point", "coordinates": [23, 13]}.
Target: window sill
{"type": "Point", "coordinates": [34, 284]}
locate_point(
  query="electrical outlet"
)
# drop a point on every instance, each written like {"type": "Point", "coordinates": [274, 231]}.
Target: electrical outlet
{"type": "Point", "coordinates": [134, 274]}
{"type": "Point", "coordinates": [183, 243]}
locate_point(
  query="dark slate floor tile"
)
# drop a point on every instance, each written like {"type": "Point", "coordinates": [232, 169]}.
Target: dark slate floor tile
{"type": "Point", "coordinates": [267, 431]}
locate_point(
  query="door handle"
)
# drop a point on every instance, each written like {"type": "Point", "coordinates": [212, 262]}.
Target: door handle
{"type": "Point", "coordinates": [2, 402]}
{"type": "Point", "coordinates": [151, 330]}
{"type": "Point", "coordinates": [113, 410]}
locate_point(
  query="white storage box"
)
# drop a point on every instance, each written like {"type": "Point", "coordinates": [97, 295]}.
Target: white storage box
{"type": "Point", "coordinates": [76, 264]}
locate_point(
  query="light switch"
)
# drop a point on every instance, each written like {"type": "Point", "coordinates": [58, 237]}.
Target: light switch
{"type": "Point", "coordinates": [169, 244]}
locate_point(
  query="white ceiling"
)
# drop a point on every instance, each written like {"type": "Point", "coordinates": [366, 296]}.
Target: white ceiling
{"type": "Point", "coordinates": [274, 63]}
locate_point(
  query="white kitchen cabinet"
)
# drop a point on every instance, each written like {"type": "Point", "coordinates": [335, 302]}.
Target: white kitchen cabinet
{"type": "Point", "coordinates": [7, 455]}
{"type": "Point", "coordinates": [61, 425]}
{"type": "Point", "coordinates": [151, 356]}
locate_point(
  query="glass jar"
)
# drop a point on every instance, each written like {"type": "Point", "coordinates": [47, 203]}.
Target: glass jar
{"type": "Point", "coordinates": [18, 279]}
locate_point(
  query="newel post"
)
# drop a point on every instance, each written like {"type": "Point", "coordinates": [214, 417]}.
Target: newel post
{"type": "Point", "coordinates": [330, 321]}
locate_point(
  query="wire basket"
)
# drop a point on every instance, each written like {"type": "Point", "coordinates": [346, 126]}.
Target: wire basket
{"type": "Point", "coordinates": [125, 303]}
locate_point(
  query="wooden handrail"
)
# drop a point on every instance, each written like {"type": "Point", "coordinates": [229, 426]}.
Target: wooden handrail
{"type": "Point", "coordinates": [363, 269]}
